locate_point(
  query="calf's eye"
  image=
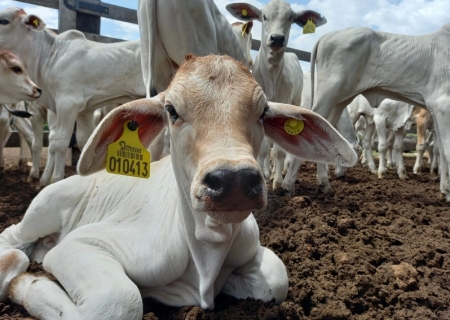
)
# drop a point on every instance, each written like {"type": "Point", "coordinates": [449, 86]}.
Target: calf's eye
{"type": "Point", "coordinates": [172, 112]}
{"type": "Point", "coordinates": [4, 21]}
{"type": "Point", "coordinates": [17, 69]}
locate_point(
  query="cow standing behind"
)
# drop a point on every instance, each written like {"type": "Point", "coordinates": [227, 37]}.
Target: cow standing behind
{"type": "Point", "coordinates": [15, 85]}
{"type": "Point", "coordinates": [106, 236]}
{"type": "Point", "coordinates": [412, 69]}
{"type": "Point", "coordinates": [76, 76]}
{"type": "Point", "coordinates": [277, 72]}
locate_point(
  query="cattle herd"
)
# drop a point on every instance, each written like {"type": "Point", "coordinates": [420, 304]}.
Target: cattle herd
{"type": "Point", "coordinates": [229, 124]}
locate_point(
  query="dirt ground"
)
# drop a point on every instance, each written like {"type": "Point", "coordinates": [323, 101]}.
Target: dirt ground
{"type": "Point", "coordinates": [376, 249]}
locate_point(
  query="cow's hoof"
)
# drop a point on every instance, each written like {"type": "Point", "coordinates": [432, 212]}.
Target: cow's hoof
{"type": "Point", "coordinates": [326, 189]}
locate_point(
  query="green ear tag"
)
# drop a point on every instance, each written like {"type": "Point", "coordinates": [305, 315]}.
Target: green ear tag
{"type": "Point", "coordinates": [127, 156]}
{"type": "Point", "coordinates": [244, 12]}
{"type": "Point", "coordinates": [294, 126]}
{"type": "Point", "coordinates": [309, 27]}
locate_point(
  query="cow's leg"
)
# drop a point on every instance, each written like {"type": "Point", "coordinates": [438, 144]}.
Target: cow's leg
{"type": "Point", "coordinates": [382, 147]}
{"type": "Point", "coordinates": [442, 136]}
{"type": "Point", "coordinates": [96, 285]}
{"type": "Point", "coordinates": [264, 158]}
{"type": "Point", "coordinates": [390, 152]}
{"type": "Point", "coordinates": [278, 155]}
{"type": "Point", "coordinates": [62, 131]}
{"type": "Point", "coordinates": [286, 164]}
{"type": "Point", "coordinates": [50, 164]}
{"type": "Point", "coordinates": [264, 278]}
{"type": "Point", "coordinates": [421, 146]}
{"type": "Point", "coordinates": [367, 145]}
{"type": "Point", "coordinates": [398, 148]}
{"type": "Point", "coordinates": [291, 175]}
{"type": "Point", "coordinates": [37, 123]}
{"type": "Point", "coordinates": [85, 127]}
{"type": "Point", "coordinates": [435, 151]}
{"type": "Point", "coordinates": [22, 153]}
{"type": "Point", "coordinates": [4, 137]}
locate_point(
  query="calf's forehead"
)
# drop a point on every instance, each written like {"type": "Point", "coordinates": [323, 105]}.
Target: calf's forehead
{"type": "Point", "coordinates": [277, 8]}
{"type": "Point", "coordinates": [206, 83]}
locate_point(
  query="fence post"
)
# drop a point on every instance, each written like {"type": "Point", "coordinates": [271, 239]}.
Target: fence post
{"type": "Point", "coordinates": [67, 18]}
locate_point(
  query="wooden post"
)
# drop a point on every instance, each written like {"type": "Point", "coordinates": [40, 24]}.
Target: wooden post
{"type": "Point", "coordinates": [67, 18]}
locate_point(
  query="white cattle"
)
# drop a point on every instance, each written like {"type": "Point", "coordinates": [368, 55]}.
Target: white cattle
{"type": "Point", "coordinates": [75, 74]}
{"type": "Point", "coordinates": [277, 72]}
{"type": "Point", "coordinates": [412, 69]}
{"type": "Point", "coordinates": [182, 236]}
{"type": "Point", "coordinates": [200, 29]}
{"type": "Point", "coordinates": [389, 120]}
{"type": "Point", "coordinates": [244, 33]}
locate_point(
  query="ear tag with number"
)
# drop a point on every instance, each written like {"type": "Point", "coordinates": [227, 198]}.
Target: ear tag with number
{"type": "Point", "coordinates": [244, 28]}
{"type": "Point", "coordinates": [36, 22]}
{"type": "Point", "coordinates": [309, 27]}
{"type": "Point", "coordinates": [294, 126]}
{"type": "Point", "coordinates": [127, 156]}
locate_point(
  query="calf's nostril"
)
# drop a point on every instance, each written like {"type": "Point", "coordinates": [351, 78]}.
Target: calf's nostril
{"type": "Point", "coordinates": [251, 183]}
{"type": "Point", "coordinates": [39, 90]}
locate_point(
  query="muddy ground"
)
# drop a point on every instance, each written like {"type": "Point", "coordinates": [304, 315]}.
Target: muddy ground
{"type": "Point", "coordinates": [376, 249]}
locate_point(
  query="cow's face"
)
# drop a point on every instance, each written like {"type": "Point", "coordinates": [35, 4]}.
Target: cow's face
{"type": "Point", "coordinates": [15, 85]}
{"type": "Point", "coordinates": [276, 17]}
{"type": "Point", "coordinates": [217, 115]}
{"type": "Point", "coordinates": [16, 27]}
{"type": "Point", "coordinates": [214, 111]}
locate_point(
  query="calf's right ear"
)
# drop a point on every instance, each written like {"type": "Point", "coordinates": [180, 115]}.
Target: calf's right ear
{"type": "Point", "coordinates": [148, 113]}
{"type": "Point", "coordinates": [33, 22]}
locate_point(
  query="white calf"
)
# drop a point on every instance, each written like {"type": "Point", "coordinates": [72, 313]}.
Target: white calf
{"type": "Point", "coordinates": [182, 236]}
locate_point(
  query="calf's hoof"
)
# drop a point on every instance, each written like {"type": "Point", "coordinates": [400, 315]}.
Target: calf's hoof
{"type": "Point", "coordinates": [12, 263]}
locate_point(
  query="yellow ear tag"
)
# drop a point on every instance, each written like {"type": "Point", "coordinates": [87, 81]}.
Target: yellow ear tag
{"type": "Point", "coordinates": [244, 12]}
{"type": "Point", "coordinates": [293, 126]}
{"type": "Point", "coordinates": [36, 22]}
{"type": "Point", "coordinates": [127, 156]}
{"type": "Point", "coordinates": [244, 28]}
{"type": "Point", "coordinates": [309, 27]}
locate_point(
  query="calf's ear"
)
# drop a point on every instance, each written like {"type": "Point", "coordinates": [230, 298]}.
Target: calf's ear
{"type": "Point", "coordinates": [148, 113]}
{"type": "Point", "coordinates": [307, 135]}
{"type": "Point", "coordinates": [244, 11]}
{"type": "Point", "coordinates": [33, 22]}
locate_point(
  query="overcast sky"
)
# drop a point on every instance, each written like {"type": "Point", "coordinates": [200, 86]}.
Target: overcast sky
{"type": "Point", "coordinates": [412, 17]}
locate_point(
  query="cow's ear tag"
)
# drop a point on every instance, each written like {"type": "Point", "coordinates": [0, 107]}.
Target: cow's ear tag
{"type": "Point", "coordinates": [244, 28]}
{"type": "Point", "coordinates": [35, 22]}
{"type": "Point", "coordinates": [127, 156]}
{"type": "Point", "coordinates": [309, 27]}
{"type": "Point", "coordinates": [244, 12]}
{"type": "Point", "coordinates": [294, 126]}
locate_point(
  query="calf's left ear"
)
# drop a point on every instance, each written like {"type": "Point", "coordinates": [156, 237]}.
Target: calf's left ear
{"type": "Point", "coordinates": [307, 135]}
{"type": "Point", "coordinates": [148, 113]}
{"type": "Point", "coordinates": [33, 22]}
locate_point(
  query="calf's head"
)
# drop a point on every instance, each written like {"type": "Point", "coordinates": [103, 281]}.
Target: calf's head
{"type": "Point", "coordinates": [276, 18]}
{"type": "Point", "coordinates": [16, 28]}
{"type": "Point", "coordinates": [15, 85]}
{"type": "Point", "coordinates": [217, 116]}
